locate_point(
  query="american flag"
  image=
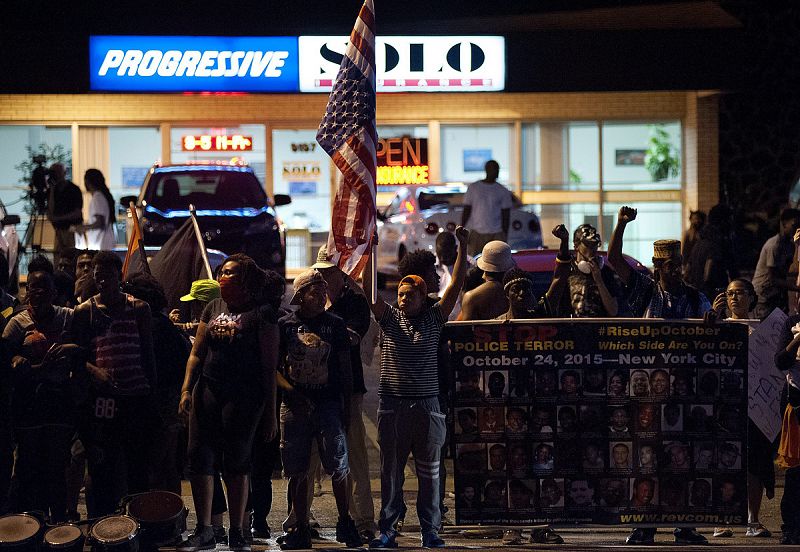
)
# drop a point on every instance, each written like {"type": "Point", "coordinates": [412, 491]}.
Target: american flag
{"type": "Point", "coordinates": [348, 134]}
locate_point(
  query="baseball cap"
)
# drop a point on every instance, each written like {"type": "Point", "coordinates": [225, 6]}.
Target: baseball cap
{"type": "Point", "coordinates": [496, 257]}
{"type": "Point", "coordinates": [303, 280]}
{"type": "Point", "coordinates": [323, 259]}
{"type": "Point", "coordinates": [202, 290]}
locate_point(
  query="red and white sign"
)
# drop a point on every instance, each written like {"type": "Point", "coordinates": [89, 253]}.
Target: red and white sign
{"type": "Point", "coordinates": [411, 63]}
{"type": "Point", "coordinates": [213, 142]}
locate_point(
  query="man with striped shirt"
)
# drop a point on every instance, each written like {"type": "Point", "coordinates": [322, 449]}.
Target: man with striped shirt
{"type": "Point", "coordinates": [410, 419]}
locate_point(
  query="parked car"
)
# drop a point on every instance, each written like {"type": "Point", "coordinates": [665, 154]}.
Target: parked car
{"type": "Point", "coordinates": [417, 214]}
{"type": "Point", "coordinates": [234, 213]}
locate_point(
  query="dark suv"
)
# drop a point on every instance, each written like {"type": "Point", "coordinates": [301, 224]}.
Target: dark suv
{"type": "Point", "coordinates": [234, 213]}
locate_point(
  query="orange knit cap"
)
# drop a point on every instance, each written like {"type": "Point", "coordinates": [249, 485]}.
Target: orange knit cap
{"type": "Point", "coordinates": [414, 281]}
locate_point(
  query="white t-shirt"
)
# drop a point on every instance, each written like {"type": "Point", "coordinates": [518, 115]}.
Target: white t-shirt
{"type": "Point", "coordinates": [99, 239]}
{"type": "Point", "coordinates": [487, 199]}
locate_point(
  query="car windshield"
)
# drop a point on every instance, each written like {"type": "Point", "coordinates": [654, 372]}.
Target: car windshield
{"type": "Point", "coordinates": [205, 189]}
{"type": "Point", "coordinates": [431, 199]}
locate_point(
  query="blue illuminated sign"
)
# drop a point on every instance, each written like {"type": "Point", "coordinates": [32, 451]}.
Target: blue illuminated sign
{"type": "Point", "coordinates": [193, 64]}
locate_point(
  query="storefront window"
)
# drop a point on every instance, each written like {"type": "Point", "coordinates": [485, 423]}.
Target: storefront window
{"type": "Point", "coordinates": [15, 140]}
{"type": "Point", "coordinates": [133, 150]}
{"type": "Point", "coordinates": [302, 169]}
{"type": "Point", "coordinates": [570, 215]}
{"type": "Point", "coordinates": [467, 148]}
{"type": "Point", "coordinates": [626, 163]}
{"type": "Point", "coordinates": [183, 138]}
{"type": "Point", "coordinates": [654, 221]}
{"type": "Point", "coordinates": [560, 156]}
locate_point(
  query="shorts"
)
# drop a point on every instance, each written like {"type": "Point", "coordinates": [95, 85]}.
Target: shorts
{"type": "Point", "coordinates": [222, 427]}
{"type": "Point", "coordinates": [302, 423]}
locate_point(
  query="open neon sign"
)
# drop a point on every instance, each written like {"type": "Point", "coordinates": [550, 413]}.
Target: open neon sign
{"type": "Point", "coordinates": [224, 142]}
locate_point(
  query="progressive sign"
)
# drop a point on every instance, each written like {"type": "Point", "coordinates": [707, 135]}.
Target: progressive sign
{"type": "Point", "coordinates": [290, 64]}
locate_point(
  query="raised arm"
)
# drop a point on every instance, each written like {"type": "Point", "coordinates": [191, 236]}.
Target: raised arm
{"type": "Point", "coordinates": [450, 295]}
{"type": "Point", "coordinates": [615, 258]}
{"type": "Point", "coordinates": [561, 272]}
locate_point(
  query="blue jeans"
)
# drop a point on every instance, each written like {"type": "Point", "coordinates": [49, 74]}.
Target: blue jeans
{"type": "Point", "coordinates": [406, 426]}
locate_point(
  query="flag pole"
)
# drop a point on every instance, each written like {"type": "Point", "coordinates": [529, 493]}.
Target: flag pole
{"type": "Point", "coordinates": [200, 241]}
{"type": "Point", "coordinates": [136, 235]}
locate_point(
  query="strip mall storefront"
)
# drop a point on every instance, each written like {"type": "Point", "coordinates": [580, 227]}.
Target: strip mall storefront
{"type": "Point", "coordinates": [570, 157]}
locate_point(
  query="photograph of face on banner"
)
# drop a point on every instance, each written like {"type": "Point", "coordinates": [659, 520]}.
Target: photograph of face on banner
{"type": "Point", "coordinates": [592, 434]}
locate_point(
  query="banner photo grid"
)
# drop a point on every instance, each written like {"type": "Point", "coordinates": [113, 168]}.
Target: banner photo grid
{"type": "Point", "coordinates": [599, 422]}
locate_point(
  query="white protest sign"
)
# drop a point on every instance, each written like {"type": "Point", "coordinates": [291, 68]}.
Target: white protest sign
{"type": "Point", "coordinates": [764, 381]}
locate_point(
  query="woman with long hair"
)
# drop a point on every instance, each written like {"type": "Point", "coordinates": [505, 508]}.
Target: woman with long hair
{"type": "Point", "coordinates": [99, 232]}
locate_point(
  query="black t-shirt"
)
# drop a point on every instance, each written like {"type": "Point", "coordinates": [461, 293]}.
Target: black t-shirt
{"type": "Point", "coordinates": [310, 352]}
{"type": "Point", "coordinates": [353, 308]}
{"type": "Point", "coordinates": [584, 296]}
{"type": "Point", "coordinates": [233, 355]}
{"type": "Point", "coordinates": [172, 350]}
{"type": "Point", "coordinates": [65, 200]}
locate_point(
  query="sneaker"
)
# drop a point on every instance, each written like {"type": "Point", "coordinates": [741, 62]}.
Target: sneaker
{"type": "Point", "coordinates": [722, 532]}
{"type": "Point", "coordinates": [201, 539]}
{"type": "Point", "coordinates": [512, 537]}
{"type": "Point", "coordinates": [366, 535]}
{"type": "Point", "coordinates": [261, 530]}
{"type": "Point", "coordinates": [297, 539]}
{"type": "Point", "coordinates": [432, 540]}
{"type": "Point", "coordinates": [689, 536]}
{"type": "Point", "coordinates": [347, 533]}
{"type": "Point", "coordinates": [236, 541]}
{"type": "Point", "coordinates": [220, 536]}
{"type": "Point", "coordinates": [545, 536]}
{"type": "Point", "coordinates": [641, 536]}
{"type": "Point", "coordinates": [383, 541]}
{"type": "Point", "coordinates": [757, 531]}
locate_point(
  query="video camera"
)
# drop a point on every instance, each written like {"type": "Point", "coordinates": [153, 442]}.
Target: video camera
{"type": "Point", "coordinates": [39, 187]}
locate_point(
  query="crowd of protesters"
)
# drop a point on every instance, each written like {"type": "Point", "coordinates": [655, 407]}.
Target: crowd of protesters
{"type": "Point", "coordinates": [98, 379]}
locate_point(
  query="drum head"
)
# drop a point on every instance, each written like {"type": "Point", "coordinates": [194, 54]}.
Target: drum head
{"type": "Point", "coordinates": [155, 506]}
{"type": "Point", "coordinates": [61, 535]}
{"type": "Point", "coordinates": [114, 529]}
{"type": "Point", "coordinates": [18, 528]}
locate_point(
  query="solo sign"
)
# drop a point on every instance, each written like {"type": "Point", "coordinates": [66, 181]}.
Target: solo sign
{"type": "Point", "coordinates": [193, 63]}
{"type": "Point", "coordinates": [411, 63]}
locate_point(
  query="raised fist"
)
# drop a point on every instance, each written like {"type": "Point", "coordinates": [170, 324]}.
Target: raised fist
{"type": "Point", "coordinates": [561, 232]}
{"type": "Point", "coordinates": [462, 234]}
{"type": "Point", "coordinates": [626, 214]}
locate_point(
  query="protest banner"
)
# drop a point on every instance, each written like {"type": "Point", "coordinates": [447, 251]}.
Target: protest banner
{"type": "Point", "coordinates": [599, 422]}
{"type": "Point", "coordinates": [765, 382]}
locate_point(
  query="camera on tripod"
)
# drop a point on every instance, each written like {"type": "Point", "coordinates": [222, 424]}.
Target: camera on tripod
{"type": "Point", "coordinates": [39, 187]}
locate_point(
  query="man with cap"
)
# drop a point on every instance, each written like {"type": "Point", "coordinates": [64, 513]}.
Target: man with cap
{"type": "Point", "coordinates": [487, 209]}
{"type": "Point", "coordinates": [488, 300]}
{"type": "Point", "coordinates": [317, 383]}
{"type": "Point", "coordinates": [347, 301]}
{"type": "Point", "coordinates": [663, 296]}
{"type": "Point", "coordinates": [410, 419]}
{"type": "Point", "coordinates": [201, 294]}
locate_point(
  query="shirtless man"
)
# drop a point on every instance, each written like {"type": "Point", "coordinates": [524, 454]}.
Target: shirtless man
{"type": "Point", "coordinates": [488, 300]}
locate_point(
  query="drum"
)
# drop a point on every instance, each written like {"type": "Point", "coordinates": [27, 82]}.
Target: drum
{"type": "Point", "coordinates": [115, 534]}
{"type": "Point", "coordinates": [20, 532]}
{"type": "Point", "coordinates": [64, 538]}
{"type": "Point", "coordinates": [161, 516]}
